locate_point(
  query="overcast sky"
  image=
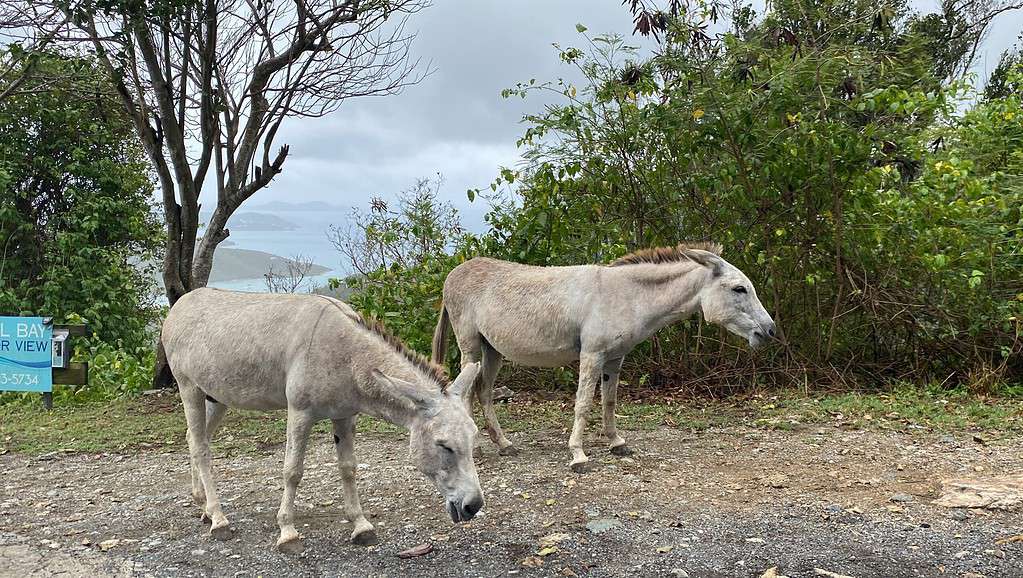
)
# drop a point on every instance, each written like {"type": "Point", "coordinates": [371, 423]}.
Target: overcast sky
{"type": "Point", "coordinates": [455, 122]}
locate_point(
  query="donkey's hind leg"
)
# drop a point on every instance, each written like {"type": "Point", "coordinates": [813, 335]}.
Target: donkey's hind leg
{"type": "Point", "coordinates": [609, 399]}
{"type": "Point", "coordinates": [194, 402]}
{"type": "Point", "coordinates": [214, 415]}
{"type": "Point", "coordinates": [491, 366]}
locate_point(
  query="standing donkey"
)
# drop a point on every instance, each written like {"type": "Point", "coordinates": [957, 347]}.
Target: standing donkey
{"type": "Point", "coordinates": [596, 314]}
{"type": "Point", "coordinates": [319, 359]}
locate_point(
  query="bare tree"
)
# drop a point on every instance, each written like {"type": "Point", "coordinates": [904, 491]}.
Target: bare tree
{"type": "Point", "coordinates": [291, 278]}
{"type": "Point", "coordinates": [208, 84]}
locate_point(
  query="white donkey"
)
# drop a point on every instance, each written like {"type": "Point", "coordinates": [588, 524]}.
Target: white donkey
{"type": "Point", "coordinates": [596, 314]}
{"type": "Point", "coordinates": [319, 359]}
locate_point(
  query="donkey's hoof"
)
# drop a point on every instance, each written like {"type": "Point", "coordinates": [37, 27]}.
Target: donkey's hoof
{"type": "Point", "coordinates": [581, 467]}
{"type": "Point", "coordinates": [291, 545]}
{"type": "Point", "coordinates": [366, 538]}
{"type": "Point", "coordinates": [221, 532]}
{"type": "Point", "coordinates": [621, 451]}
{"type": "Point", "coordinates": [508, 451]}
{"type": "Point", "coordinates": [204, 517]}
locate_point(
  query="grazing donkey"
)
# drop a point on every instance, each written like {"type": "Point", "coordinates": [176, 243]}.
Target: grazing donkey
{"type": "Point", "coordinates": [319, 359]}
{"type": "Point", "coordinates": [596, 314]}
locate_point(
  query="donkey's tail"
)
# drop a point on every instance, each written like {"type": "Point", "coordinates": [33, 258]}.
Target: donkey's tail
{"type": "Point", "coordinates": [440, 336]}
{"type": "Point", "coordinates": [162, 376]}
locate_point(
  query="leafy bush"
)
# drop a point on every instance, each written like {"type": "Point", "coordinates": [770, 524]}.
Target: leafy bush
{"type": "Point", "coordinates": [401, 257]}
{"type": "Point", "coordinates": [77, 235]}
{"type": "Point", "coordinates": [882, 228]}
{"type": "Point", "coordinates": [76, 228]}
{"type": "Point", "coordinates": [822, 144]}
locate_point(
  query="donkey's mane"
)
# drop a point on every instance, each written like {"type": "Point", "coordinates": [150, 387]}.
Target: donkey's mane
{"type": "Point", "coordinates": [420, 361]}
{"type": "Point", "coordinates": [658, 255]}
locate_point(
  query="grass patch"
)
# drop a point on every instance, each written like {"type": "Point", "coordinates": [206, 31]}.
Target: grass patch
{"type": "Point", "coordinates": [902, 409]}
{"type": "Point", "coordinates": [156, 423]}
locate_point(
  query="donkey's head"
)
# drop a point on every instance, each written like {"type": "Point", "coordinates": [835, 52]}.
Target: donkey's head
{"type": "Point", "coordinates": [728, 299]}
{"type": "Point", "coordinates": [442, 435]}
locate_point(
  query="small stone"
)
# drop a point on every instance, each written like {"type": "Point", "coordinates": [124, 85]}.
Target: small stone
{"type": "Point", "coordinates": [679, 573]}
{"type": "Point", "coordinates": [959, 515]}
{"type": "Point", "coordinates": [902, 498]}
{"type": "Point", "coordinates": [602, 525]}
{"type": "Point", "coordinates": [198, 552]}
{"type": "Point", "coordinates": [108, 544]}
{"type": "Point", "coordinates": [532, 562]}
{"type": "Point", "coordinates": [777, 481]}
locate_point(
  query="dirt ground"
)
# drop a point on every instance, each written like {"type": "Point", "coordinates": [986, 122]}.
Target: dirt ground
{"type": "Point", "coordinates": [726, 502]}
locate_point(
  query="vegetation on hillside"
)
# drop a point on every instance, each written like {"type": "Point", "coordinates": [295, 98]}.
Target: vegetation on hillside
{"type": "Point", "coordinates": [873, 198]}
{"type": "Point", "coordinates": [76, 223]}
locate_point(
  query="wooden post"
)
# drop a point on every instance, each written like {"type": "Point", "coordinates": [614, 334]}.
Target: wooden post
{"type": "Point", "coordinates": [74, 373]}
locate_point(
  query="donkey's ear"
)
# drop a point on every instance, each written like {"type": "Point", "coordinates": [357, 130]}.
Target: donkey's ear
{"type": "Point", "coordinates": [401, 389]}
{"type": "Point", "coordinates": [462, 385]}
{"type": "Point", "coordinates": [706, 258]}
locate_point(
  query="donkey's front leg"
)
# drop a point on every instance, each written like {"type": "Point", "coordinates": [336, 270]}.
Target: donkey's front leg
{"type": "Point", "coordinates": [590, 366]}
{"type": "Point", "coordinates": [344, 442]}
{"type": "Point", "coordinates": [609, 399]}
{"type": "Point", "coordinates": [299, 424]}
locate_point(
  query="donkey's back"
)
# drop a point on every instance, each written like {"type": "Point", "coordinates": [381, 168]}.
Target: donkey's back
{"type": "Point", "coordinates": [503, 303]}
{"type": "Point", "coordinates": [240, 347]}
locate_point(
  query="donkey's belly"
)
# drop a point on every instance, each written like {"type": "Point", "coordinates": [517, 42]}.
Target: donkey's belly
{"type": "Point", "coordinates": [539, 358]}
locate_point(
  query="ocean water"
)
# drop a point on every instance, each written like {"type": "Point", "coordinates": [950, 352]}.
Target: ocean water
{"type": "Point", "coordinates": [309, 240]}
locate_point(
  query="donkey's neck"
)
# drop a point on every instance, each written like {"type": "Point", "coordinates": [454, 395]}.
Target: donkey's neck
{"type": "Point", "coordinates": [663, 293]}
{"type": "Point", "coordinates": [394, 413]}
{"type": "Point", "coordinates": [375, 400]}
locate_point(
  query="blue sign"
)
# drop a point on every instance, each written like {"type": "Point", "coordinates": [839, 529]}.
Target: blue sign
{"type": "Point", "coordinates": [25, 344]}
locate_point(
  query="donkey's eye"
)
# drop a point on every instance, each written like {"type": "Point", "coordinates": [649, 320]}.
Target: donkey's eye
{"type": "Point", "coordinates": [445, 448]}
{"type": "Point", "coordinates": [739, 289]}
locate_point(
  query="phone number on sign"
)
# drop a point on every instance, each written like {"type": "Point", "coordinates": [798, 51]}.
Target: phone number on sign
{"type": "Point", "coordinates": [19, 379]}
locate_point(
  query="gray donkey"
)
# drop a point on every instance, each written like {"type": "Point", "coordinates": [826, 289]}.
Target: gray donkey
{"type": "Point", "coordinates": [594, 314]}
{"type": "Point", "coordinates": [319, 359]}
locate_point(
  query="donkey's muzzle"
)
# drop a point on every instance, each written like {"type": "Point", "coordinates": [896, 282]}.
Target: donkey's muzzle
{"type": "Point", "coordinates": [470, 507]}
{"type": "Point", "coordinates": [466, 510]}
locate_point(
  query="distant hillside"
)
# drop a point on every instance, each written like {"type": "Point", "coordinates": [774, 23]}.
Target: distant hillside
{"type": "Point", "coordinates": [231, 264]}
{"type": "Point", "coordinates": [251, 221]}
{"type": "Point", "coordinates": [307, 206]}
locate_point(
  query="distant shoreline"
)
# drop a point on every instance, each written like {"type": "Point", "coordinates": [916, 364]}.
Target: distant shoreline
{"type": "Point", "coordinates": [233, 264]}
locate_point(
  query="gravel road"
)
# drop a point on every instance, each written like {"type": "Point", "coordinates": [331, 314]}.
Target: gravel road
{"type": "Point", "coordinates": [727, 502]}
